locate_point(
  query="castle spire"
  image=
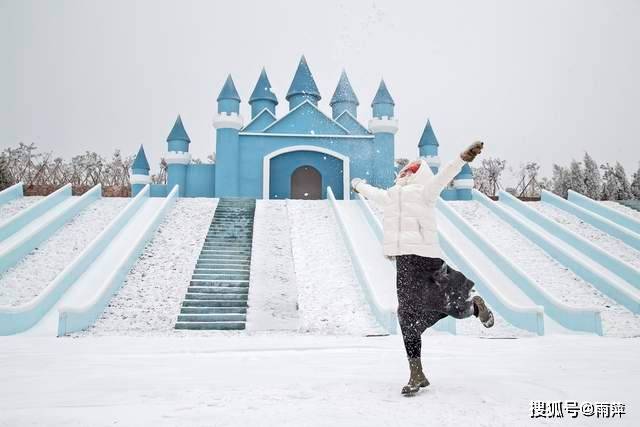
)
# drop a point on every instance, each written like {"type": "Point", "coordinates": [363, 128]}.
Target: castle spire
{"type": "Point", "coordinates": [177, 132]}
{"type": "Point", "coordinates": [229, 91]}
{"type": "Point", "coordinates": [344, 98]}
{"type": "Point", "coordinates": [140, 163]}
{"type": "Point", "coordinates": [262, 96]}
{"type": "Point", "coordinates": [382, 95]}
{"type": "Point", "coordinates": [428, 136]}
{"type": "Point", "coordinates": [303, 87]}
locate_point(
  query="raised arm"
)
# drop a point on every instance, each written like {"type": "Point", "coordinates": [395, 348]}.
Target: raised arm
{"type": "Point", "coordinates": [451, 169]}
{"type": "Point", "coordinates": [375, 194]}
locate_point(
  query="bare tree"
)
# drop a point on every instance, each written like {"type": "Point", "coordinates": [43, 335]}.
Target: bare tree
{"type": "Point", "coordinates": [487, 176]}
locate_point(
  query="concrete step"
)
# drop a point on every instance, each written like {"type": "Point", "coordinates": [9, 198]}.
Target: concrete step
{"type": "Point", "coordinates": [221, 276]}
{"type": "Point", "coordinates": [213, 252]}
{"type": "Point", "coordinates": [243, 271]}
{"type": "Point", "coordinates": [217, 297]}
{"type": "Point", "coordinates": [224, 264]}
{"type": "Point", "coordinates": [226, 283]}
{"type": "Point", "coordinates": [223, 325]}
{"type": "Point", "coordinates": [235, 242]}
{"type": "Point", "coordinates": [212, 303]}
{"type": "Point", "coordinates": [213, 310]}
{"type": "Point", "coordinates": [214, 317]}
{"type": "Point", "coordinates": [224, 257]}
{"type": "Point", "coordinates": [218, 289]}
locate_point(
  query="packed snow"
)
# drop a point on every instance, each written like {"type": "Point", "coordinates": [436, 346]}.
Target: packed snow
{"type": "Point", "coordinates": [604, 241]}
{"type": "Point", "coordinates": [310, 380]}
{"type": "Point", "coordinates": [548, 272]}
{"type": "Point", "coordinates": [149, 300]}
{"type": "Point", "coordinates": [273, 293]}
{"type": "Point", "coordinates": [330, 298]}
{"type": "Point", "coordinates": [25, 280]}
{"type": "Point", "coordinates": [622, 208]}
{"type": "Point", "coordinates": [9, 209]}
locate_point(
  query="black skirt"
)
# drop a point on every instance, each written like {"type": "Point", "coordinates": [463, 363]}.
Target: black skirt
{"type": "Point", "coordinates": [429, 287]}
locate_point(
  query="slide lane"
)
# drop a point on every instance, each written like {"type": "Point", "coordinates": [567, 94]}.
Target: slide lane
{"type": "Point", "coordinates": [93, 279]}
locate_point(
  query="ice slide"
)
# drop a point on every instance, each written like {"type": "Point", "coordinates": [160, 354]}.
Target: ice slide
{"type": "Point", "coordinates": [12, 193]}
{"type": "Point", "coordinates": [78, 295]}
{"type": "Point", "coordinates": [620, 218]}
{"type": "Point", "coordinates": [613, 277]}
{"type": "Point", "coordinates": [509, 290]}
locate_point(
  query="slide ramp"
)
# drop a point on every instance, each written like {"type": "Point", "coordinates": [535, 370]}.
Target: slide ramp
{"type": "Point", "coordinates": [90, 283]}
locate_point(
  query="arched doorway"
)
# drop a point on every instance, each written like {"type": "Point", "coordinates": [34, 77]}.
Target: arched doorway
{"type": "Point", "coordinates": [306, 183]}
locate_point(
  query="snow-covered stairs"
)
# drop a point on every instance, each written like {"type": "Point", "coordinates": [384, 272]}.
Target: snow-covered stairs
{"type": "Point", "coordinates": [219, 288]}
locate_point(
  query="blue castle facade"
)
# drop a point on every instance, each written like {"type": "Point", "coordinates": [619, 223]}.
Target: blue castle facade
{"type": "Point", "coordinates": [297, 155]}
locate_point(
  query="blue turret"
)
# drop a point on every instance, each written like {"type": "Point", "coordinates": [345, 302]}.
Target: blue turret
{"type": "Point", "coordinates": [383, 102]}
{"type": "Point", "coordinates": [383, 125]}
{"type": "Point", "coordinates": [463, 183]}
{"type": "Point", "coordinates": [139, 172]}
{"type": "Point", "coordinates": [262, 97]}
{"type": "Point", "coordinates": [229, 100]}
{"type": "Point", "coordinates": [303, 87]}
{"type": "Point", "coordinates": [428, 147]}
{"type": "Point", "coordinates": [177, 157]}
{"type": "Point", "coordinates": [344, 98]}
{"type": "Point", "coordinates": [227, 123]}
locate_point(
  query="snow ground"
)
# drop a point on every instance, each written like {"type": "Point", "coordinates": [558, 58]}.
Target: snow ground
{"type": "Point", "coordinates": [24, 281]}
{"type": "Point", "coordinates": [330, 298]}
{"type": "Point", "coordinates": [267, 379]}
{"type": "Point", "coordinates": [9, 209]}
{"type": "Point", "coordinates": [149, 300]}
{"type": "Point", "coordinates": [547, 272]}
{"type": "Point", "coordinates": [273, 294]}
{"type": "Point", "coordinates": [604, 241]}
{"type": "Point", "coordinates": [624, 209]}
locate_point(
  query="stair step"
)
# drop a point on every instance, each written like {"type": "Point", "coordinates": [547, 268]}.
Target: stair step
{"type": "Point", "coordinates": [222, 325]}
{"type": "Point", "coordinates": [223, 270]}
{"type": "Point", "coordinates": [225, 283]}
{"type": "Point", "coordinates": [214, 276]}
{"type": "Point", "coordinates": [213, 317]}
{"type": "Point", "coordinates": [193, 289]}
{"type": "Point", "coordinates": [212, 303]}
{"type": "Point", "coordinates": [224, 264]}
{"type": "Point", "coordinates": [217, 297]}
{"type": "Point", "coordinates": [213, 310]}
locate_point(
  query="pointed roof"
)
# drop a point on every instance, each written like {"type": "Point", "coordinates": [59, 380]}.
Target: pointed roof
{"type": "Point", "coordinates": [344, 92]}
{"type": "Point", "coordinates": [428, 137]}
{"type": "Point", "coordinates": [303, 82]}
{"type": "Point", "coordinates": [178, 132]}
{"type": "Point", "coordinates": [262, 91]}
{"type": "Point", "coordinates": [229, 90]}
{"type": "Point", "coordinates": [141, 160]}
{"type": "Point", "coordinates": [382, 95]}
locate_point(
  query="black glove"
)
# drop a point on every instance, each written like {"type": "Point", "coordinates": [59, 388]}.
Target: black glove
{"type": "Point", "coordinates": [472, 151]}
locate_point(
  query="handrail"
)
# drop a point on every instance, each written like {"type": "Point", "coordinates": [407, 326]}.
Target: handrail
{"type": "Point", "coordinates": [614, 215]}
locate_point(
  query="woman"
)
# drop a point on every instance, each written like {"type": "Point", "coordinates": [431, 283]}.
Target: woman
{"type": "Point", "coordinates": [428, 289]}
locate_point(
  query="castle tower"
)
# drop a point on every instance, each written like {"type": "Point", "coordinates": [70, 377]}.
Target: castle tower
{"type": "Point", "coordinates": [262, 97]}
{"type": "Point", "coordinates": [344, 98]}
{"type": "Point", "coordinates": [227, 123]}
{"type": "Point", "coordinates": [139, 173]}
{"type": "Point", "coordinates": [463, 183]}
{"type": "Point", "coordinates": [384, 126]}
{"type": "Point", "coordinates": [303, 87]}
{"type": "Point", "coordinates": [178, 157]}
{"type": "Point", "coordinates": [428, 147]}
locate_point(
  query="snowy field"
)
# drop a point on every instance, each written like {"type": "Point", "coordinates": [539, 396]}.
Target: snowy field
{"type": "Point", "coordinates": [547, 272]}
{"type": "Point", "coordinates": [9, 209]}
{"type": "Point", "coordinates": [24, 281]}
{"type": "Point", "coordinates": [265, 379]}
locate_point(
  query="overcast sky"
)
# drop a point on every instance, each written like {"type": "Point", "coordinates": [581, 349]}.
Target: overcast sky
{"type": "Point", "coordinates": [536, 80]}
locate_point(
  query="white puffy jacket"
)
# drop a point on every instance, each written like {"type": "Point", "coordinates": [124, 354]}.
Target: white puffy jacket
{"type": "Point", "coordinates": [409, 222]}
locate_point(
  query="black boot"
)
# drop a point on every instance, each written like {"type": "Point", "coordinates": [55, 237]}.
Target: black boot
{"type": "Point", "coordinates": [416, 378]}
{"type": "Point", "coordinates": [481, 310]}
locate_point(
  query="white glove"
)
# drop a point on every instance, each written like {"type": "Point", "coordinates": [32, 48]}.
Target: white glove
{"type": "Point", "coordinates": [355, 182]}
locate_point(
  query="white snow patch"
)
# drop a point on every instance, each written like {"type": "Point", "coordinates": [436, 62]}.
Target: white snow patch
{"type": "Point", "coordinates": [34, 272]}
{"type": "Point", "coordinates": [547, 271]}
{"type": "Point", "coordinates": [9, 209]}
{"type": "Point", "coordinates": [273, 295]}
{"type": "Point", "coordinates": [329, 295]}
